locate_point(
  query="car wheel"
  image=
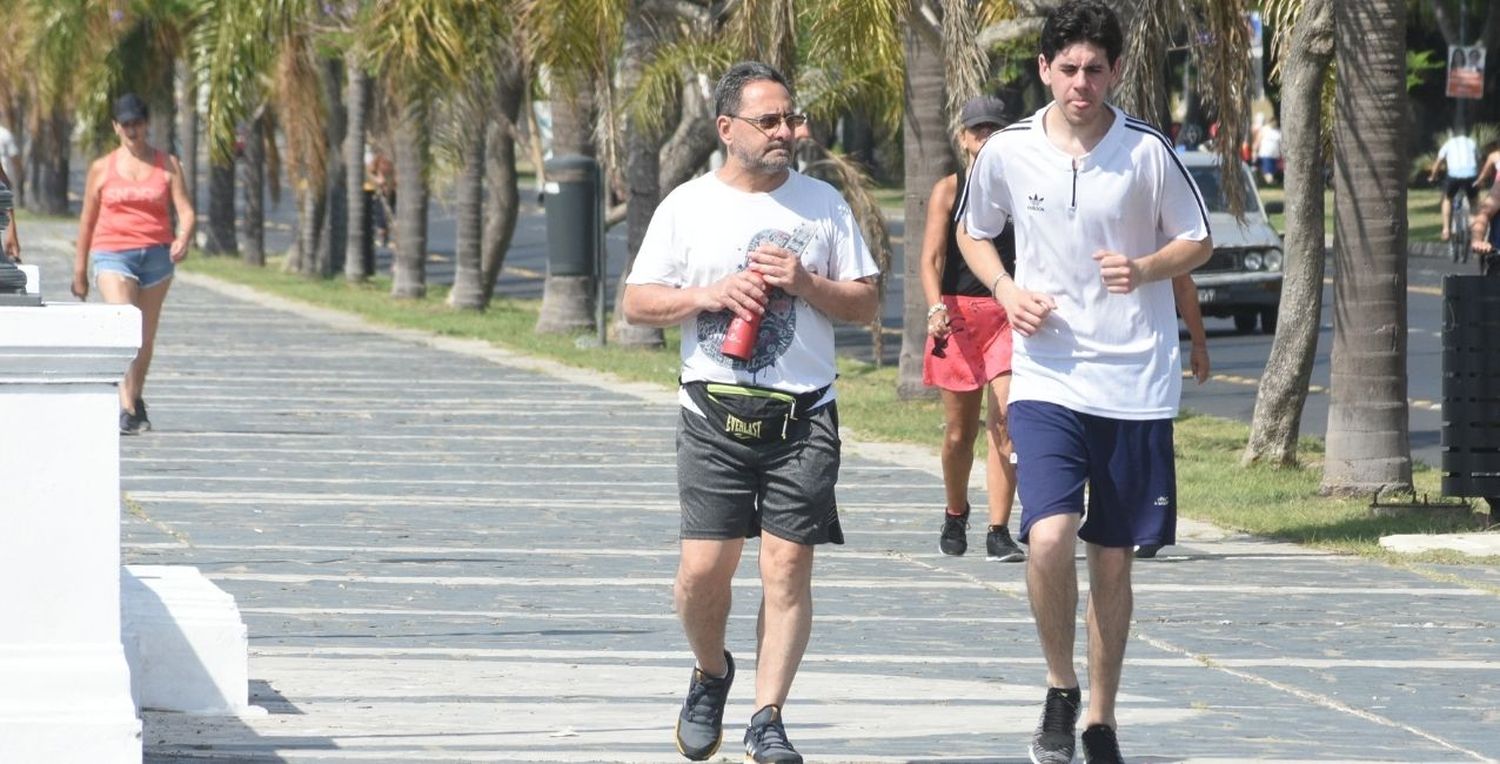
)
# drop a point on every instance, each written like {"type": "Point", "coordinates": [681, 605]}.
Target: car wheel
{"type": "Point", "coordinates": [1268, 320]}
{"type": "Point", "coordinates": [1244, 321]}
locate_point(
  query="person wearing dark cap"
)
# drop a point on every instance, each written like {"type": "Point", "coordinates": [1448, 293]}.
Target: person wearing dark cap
{"type": "Point", "coordinates": [968, 353]}
{"type": "Point", "coordinates": [126, 234]}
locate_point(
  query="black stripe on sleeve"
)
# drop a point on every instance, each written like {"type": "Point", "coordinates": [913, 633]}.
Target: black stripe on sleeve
{"type": "Point", "coordinates": [1141, 127]}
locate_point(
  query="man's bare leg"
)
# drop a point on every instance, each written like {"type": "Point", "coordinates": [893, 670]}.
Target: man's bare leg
{"type": "Point", "coordinates": [1052, 587]}
{"type": "Point", "coordinates": [703, 597]}
{"type": "Point", "coordinates": [785, 621]}
{"type": "Point", "coordinates": [1110, 604]}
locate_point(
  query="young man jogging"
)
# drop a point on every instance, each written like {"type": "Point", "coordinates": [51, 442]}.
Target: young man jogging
{"type": "Point", "coordinates": [757, 437]}
{"type": "Point", "coordinates": [1105, 217]}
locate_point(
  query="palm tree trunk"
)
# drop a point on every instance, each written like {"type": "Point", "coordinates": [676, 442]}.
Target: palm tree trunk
{"type": "Point", "coordinates": [254, 252]}
{"type": "Point", "coordinates": [357, 104]}
{"type": "Point", "coordinates": [312, 208]}
{"type": "Point", "coordinates": [1369, 447]}
{"type": "Point", "coordinates": [1283, 385]}
{"type": "Point", "coordinates": [221, 238]}
{"type": "Point", "coordinates": [336, 219]}
{"type": "Point", "coordinates": [187, 129]}
{"type": "Point", "coordinates": [409, 271]}
{"type": "Point", "coordinates": [50, 156]}
{"type": "Point", "coordinates": [505, 197]}
{"type": "Point", "coordinates": [573, 122]}
{"type": "Point", "coordinates": [468, 260]}
{"type": "Point", "coordinates": [642, 167]}
{"type": "Point", "coordinates": [691, 143]}
{"type": "Point", "coordinates": [929, 156]}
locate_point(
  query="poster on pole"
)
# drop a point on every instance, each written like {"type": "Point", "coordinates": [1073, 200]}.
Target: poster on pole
{"type": "Point", "coordinates": [1466, 71]}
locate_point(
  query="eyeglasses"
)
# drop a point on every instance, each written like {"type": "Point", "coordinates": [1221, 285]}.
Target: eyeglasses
{"type": "Point", "coordinates": [768, 122]}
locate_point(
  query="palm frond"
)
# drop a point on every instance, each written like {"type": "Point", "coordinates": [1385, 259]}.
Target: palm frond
{"type": "Point", "coordinates": [1228, 84]}
{"type": "Point", "coordinates": [424, 47]}
{"type": "Point", "coordinates": [964, 61]}
{"type": "Point", "coordinates": [766, 30]}
{"type": "Point", "coordinates": [655, 97]}
{"type": "Point", "coordinates": [576, 41]}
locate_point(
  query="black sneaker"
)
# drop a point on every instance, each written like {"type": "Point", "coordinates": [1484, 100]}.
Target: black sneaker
{"type": "Point", "coordinates": [1000, 547]}
{"type": "Point", "coordinates": [1100, 745]}
{"type": "Point", "coordinates": [765, 739]}
{"type": "Point", "coordinates": [140, 415]}
{"type": "Point", "coordinates": [129, 425]}
{"type": "Point", "coordinates": [1147, 551]}
{"type": "Point", "coordinates": [700, 724]}
{"type": "Point", "coordinates": [1053, 742]}
{"type": "Point", "coordinates": [953, 541]}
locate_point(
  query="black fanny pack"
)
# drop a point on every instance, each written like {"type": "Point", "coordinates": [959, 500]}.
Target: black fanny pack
{"type": "Point", "coordinates": [752, 415]}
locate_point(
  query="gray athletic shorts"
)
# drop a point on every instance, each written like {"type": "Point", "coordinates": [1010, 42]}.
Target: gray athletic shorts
{"type": "Point", "coordinates": [731, 489]}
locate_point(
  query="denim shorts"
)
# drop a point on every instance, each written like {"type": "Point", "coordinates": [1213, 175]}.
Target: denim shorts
{"type": "Point", "coordinates": [148, 266]}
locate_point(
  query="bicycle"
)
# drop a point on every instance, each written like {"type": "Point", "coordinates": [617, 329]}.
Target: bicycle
{"type": "Point", "coordinates": [1458, 228]}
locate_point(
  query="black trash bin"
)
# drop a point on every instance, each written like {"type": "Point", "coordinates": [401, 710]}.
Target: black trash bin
{"type": "Point", "coordinates": [573, 221]}
{"type": "Point", "coordinates": [1471, 388]}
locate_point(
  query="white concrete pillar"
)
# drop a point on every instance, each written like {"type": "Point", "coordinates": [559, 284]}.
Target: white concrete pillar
{"type": "Point", "coordinates": [64, 683]}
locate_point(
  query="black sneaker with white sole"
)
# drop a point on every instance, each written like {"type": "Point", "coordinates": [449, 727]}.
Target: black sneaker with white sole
{"type": "Point", "coordinates": [700, 724]}
{"type": "Point", "coordinates": [1054, 742]}
{"type": "Point", "coordinates": [765, 739]}
{"type": "Point", "coordinates": [1000, 547]}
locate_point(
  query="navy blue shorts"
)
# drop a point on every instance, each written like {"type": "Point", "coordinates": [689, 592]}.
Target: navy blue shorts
{"type": "Point", "coordinates": [1127, 465]}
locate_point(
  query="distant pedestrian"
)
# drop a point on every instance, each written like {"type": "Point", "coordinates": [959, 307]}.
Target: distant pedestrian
{"type": "Point", "coordinates": [126, 237]}
{"type": "Point", "coordinates": [968, 354]}
{"type": "Point", "coordinates": [1267, 151]}
{"type": "Point", "coordinates": [757, 437]}
{"type": "Point", "coordinates": [1106, 216]}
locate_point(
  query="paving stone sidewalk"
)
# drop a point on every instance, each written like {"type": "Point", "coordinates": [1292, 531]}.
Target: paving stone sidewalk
{"type": "Point", "coordinates": [448, 552]}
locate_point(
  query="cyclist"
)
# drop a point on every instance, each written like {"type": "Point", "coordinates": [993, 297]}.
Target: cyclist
{"type": "Point", "coordinates": [1460, 156]}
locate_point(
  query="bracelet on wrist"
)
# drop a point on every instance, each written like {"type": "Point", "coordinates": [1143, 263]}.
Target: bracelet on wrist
{"type": "Point", "coordinates": [935, 309]}
{"type": "Point", "coordinates": [996, 283]}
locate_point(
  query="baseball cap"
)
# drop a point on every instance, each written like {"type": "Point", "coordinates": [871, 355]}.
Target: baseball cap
{"type": "Point", "coordinates": [983, 110]}
{"type": "Point", "coordinates": [130, 108]}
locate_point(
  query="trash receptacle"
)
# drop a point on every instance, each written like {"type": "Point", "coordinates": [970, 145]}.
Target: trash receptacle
{"type": "Point", "coordinates": [1471, 388]}
{"type": "Point", "coordinates": [572, 207]}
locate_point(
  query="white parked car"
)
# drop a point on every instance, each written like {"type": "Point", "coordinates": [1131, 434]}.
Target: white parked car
{"type": "Point", "coordinates": [1242, 279]}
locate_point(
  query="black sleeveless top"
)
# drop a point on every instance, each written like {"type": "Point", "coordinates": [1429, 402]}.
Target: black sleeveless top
{"type": "Point", "coordinates": [957, 278]}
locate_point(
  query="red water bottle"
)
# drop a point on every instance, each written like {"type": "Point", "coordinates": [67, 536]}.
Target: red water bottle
{"type": "Point", "coordinates": [739, 338]}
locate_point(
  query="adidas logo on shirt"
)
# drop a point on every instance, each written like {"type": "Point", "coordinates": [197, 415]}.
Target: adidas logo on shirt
{"type": "Point", "coordinates": [1034, 203]}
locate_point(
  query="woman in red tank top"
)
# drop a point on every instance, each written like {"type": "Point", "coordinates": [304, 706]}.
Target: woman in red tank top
{"type": "Point", "coordinates": [127, 236]}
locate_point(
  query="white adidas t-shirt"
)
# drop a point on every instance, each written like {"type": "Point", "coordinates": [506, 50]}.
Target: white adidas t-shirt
{"type": "Point", "coordinates": [1112, 355]}
{"type": "Point", "coordinates": [705, 230]}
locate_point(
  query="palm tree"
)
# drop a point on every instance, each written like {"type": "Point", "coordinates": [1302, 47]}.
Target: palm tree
{"type": "Point", "coordinates": [928, 157]}
{"type": "Point", "coordinates": [423, 49]}
{"type": "Point", "coordinates": [504, 200]}
{"type": "Point", "coordinates": [471, 108]}
{"type": "Point", "coordinates": [1368, 446]}
{"type": "Point", "coordinates": [1304, 48]}
{"type": "Point", "coordinates": [357, 108]}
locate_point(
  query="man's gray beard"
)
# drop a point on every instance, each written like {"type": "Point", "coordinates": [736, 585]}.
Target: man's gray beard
{"type": "Point", "coordinates": [763, 164]}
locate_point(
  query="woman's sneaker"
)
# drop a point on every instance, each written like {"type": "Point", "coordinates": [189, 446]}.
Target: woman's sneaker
{"type": "Point", "coordinates": [143, 423]}
{"type": "Point", "coordinates": [765, 739]}
{"type": "Point", "coordinates": [700, 724]}
{"type": "Point", "coordinates": [953, 541]}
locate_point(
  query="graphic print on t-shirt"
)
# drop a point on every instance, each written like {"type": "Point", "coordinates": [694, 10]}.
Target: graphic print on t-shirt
{"type": "Point", "coordinates": [777, 326]}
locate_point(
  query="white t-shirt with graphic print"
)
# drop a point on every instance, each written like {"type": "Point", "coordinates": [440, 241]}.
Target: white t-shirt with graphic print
{"type": "Point", "coordinates": [1111, 355]}
{"type": "Point", "coordinates": [705, 230]}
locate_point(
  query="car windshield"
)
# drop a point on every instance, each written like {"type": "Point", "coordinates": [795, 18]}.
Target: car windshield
{"type": "Point", "coordinates": [1207, 178]}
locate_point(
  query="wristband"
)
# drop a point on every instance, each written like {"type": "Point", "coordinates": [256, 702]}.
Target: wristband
{"type": "Point", "coordinates": [932, 311]}
{"type": "Point", "coordinates": [996, 283]}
